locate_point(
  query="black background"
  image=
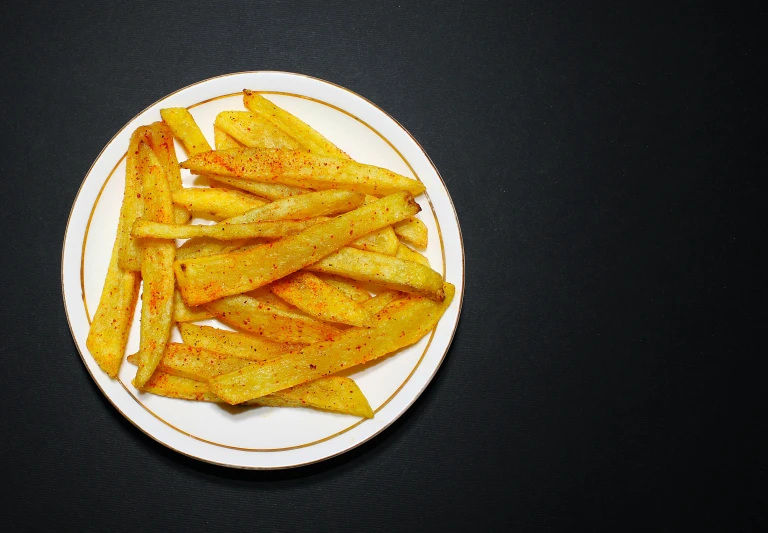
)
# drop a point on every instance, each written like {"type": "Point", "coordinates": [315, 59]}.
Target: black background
{"type": "Point", "coordinates": [604, 161]}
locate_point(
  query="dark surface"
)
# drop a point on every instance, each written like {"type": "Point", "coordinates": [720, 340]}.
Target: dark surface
{"type": "Point", "coordinates": [604, 162]}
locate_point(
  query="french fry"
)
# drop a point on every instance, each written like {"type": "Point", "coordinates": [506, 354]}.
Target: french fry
{"type": "Point", "coordinates": [235, 343]}
{"type": "Point", "coordinates": [171, 386]}
{"type": "Point", "coordinates": [183, 313]}
{"type": "Point", "coordinates": [247, 313]}
{"type": "Point", "coordinates": [252, 130]}
{"type": "Point", "coordinates": [204, 279]}
{"type": "Point", "coordinates": [272, 191]}
{"type": "Point", "coordinates": [383, 270]}
{"type": "Point", "coordinates": [412, 231]}
{"type": "Point", "coordinates": [185, 129]}
{"type": "Point", "coordinates": [129, 255]}
{"type": "Point", "coordinates": [310, 205]}
{"type": "Point", "coordinates": [403, 252]}
{"type": "Point", "coordinates": [216, 201]}
{"type": "Point", "coordinates": [320, 300]}
{"type": "Point", "coordinates": [304, 134]}
{"type": "Point", "coordinates": [195, 363]}
{"type": "Point", "coordinates": [349, 287]}
{"type": "Point", "coordinates": [225, 232]}
{"type": "Point", "coordinates": [383, 241]}
{"type": "Point", "coordinates": [380, 301]}
{"type": "Point", "coordinates": [202, 246]}
{"type": "Point", "coordinates": [156, 269]}
{"type": "Point", "coordinates": [161, 142]}
{"type": "Point", "coordinates": [400, 324]}
{"type": "Point", "coordinates": [302, 169]}
{"type": "Point", "coordinates": [222, 140]}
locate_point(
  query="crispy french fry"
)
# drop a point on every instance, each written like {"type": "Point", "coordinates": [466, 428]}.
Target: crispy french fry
{"type": "Point", "coordinates": [204, 279]}
{"type": "Point", "coordinates": [400, 324]}
{"type": "Point", "coordinates": [171, 386]}
{"type": "Point", "coordinates": [195, 363]}
{"type": "Point", "coordinates": [383, 270]}
{"type": "Point", "coordinates": [253, 130]}
{"type": "Point", "coordinates": [320, 300]}
{"type": "Point", "coordinates": [225, 232]}
{"type": "Point", "coordinates": [129, 255]}
{"type": "Point", "coordinates": [299, 130]}
{"type": "Point", "coordinates": [383, 241]}
{"type": "Point", "coordinates": [185, 129]}
{"type": "Point", "coordinates": [272, 191]}
{"type": "Point", "coordinates": [161, 142]}
{"type": "Point", "coordinates": [314, 204]}
{"type": "Point", "coordinates": [349, 287]}
{"type": "Point", "coordinates": [222, 140]}
{"type": "Point", "coordinates": [183, 313]}
{"type": "Point", "coordinates": [202, 246]}
{"type": "Point", "coordinates": [247, 313]}
{"type": "Point", "coordinates": [380, 301]}
{"type": "Point", "coordinates": [403, 252]}
{"type": "Point", "coordinates": [302, 169]}
{"type": "Point", "coordinates": [156, 269]}
{"type": "Point", "coordinates": [235, 343]}
{"type": "Point", "coordinates": [216, 201]}
{"type": "Point", "coordinates": [412, 231]}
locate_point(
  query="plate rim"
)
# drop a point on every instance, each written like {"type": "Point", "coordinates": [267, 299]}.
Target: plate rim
{"type": "Point", "coordinates": [345, 448]}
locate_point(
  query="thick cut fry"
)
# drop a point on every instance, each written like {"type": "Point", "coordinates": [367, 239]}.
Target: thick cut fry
{"type": "Point", "coordinates": [247, 313]}
{"type": "Point", "coordinates": [302, 169]}
{"type": "Point", "coordinates": [171, 386]}
{"type": "Point", "coordinates": [383, 270]}
{"type": "Point", "coordinates": [235, 343]}
{"type": "Point", "coordinates": [253, 130]}
{"type": "Point", "coordinates": [156, 269]}
{"type": "Point", "coordinates": [161, 142]}
{"type": "Point", "coordinates": [195, 363]}
{"type": "Point", "coordinates": [380, 301]}
{"type": "Point", "coordinates": [413, 231]}
{"type": "Point", "coordinates": [184, 313]}
{"type": "Point", "coordinates": [224, 232]}
{"type": "Point", "coordinates": [320, 300]}
{"type": "Point", "coordinates": [272, 191]}
{"type": "Point", "coordinates": [304, 134]}
{"type": "Point", "coordinates": [216, 201]}
{"type": "Point", "coordinates": [383, 241]}
{"type": "Point", "coordinates": [204, 279]}
{"type": "Point", "coordinates": [222, 140]}
{"type": "Point", "coordinates": [400, 324]}
{"type": "Point", "coordinates": [403, 252]}
{"type": "Point", "coordinates": [133, 205]}
{"type": "Point", "coordinates": [314, 204]}
{"type": "Point", "coordinates": [202, 246]}
{"type": "Point", "coordinates": [185, 129]}
{"type": "Point", "coordinates": [347, 286]}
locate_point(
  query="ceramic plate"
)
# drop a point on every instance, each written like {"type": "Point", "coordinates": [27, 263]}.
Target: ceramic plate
{"type": "Point", "coordinates": [264, 437]}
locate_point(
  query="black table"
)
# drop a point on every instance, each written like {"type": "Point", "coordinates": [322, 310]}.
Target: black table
{"type": "Point", "coordinates": [604, 161]}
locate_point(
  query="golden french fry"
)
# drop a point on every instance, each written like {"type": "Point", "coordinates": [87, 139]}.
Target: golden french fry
{"type": "Point", "coordinates": [380, 301]}
{"type": "Point", "coordinates": [272, 191]}
{"type": "Point", "coordinates": [310, 205]}
{"type": "Point", "coordinates": [216, 201]}
{"type": "Point", "coordinates": [403, 252]}
{"type": "Point", "coordinates": [156, 269]}
{"type": "Point", "coordinates": [299, 130]}
{"type": "Point", "coordinates": [194, 363]}
{"type": "Point", "coordinates": [161, 142]}
{"type": "Point", "coordinates": [202, 246]}
{"type": "Point", "coordinates": [400, 324]}
{"type": "Point", "coordinates": [383, 270]}
{"type": "Point", "coordinates": [225, 232]}
{"type": "Point", "coordinates": [383, 241]}
{"type": "Point", "coordinates": [184, 313]}
{"type": "Point", "coordinates": [185, 129]}
{"type": "Point", "coordinates": [171, 386]}
{"type": "Point", "coordinates": [222, 140]}
{"type": "Point", "coordinates": [413, 231]}
{"type": "Point", "coordinates": [249, 314]}
{"type": "Point", "coordinates": [320, 300]}
{"type": "Point", "coordinates": [253, 130]}
{"type": "Point", "coordinates": [235, 343]}
{"type": "Point", "coordinates": [349, 287]}
{"type": "Point", "coordinates": [129, 255]}
{"type": "Point", "coordinates": [302, 169]}
{"type": "Point", "coordinates": [204, 279]}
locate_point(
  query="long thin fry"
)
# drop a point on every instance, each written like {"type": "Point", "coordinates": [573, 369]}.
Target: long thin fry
{"type": "Point", "coordinates": [272, 191]}
{"type": "Point", "coordinates": [225, 232]}
{"type": "Point", "coordinates": [216, 201]}
{"type": "Point", "coordinates": [133, 205]}
{"type": "Point", "coordinates": [401, 324]}
{"type": "Point", "coordinates": [184, 128]}
{"type": "Point", "coordinates": [205, 279]}
{"type": "Point", "coordinates": [315, 204]}
{"type": "Point", "coordinates": [252, 130]}
{"type": "Point", "coordinates": [161, 142]}
{"type": "Point", "coordinates": [236, 343]}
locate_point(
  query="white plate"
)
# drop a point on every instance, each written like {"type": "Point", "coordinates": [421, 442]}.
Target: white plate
{"type": "Point", "coordinates": [264, 438]}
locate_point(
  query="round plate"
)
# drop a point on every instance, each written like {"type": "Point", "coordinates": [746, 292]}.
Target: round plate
{"type": "Point", "coordinates": [264, 437]}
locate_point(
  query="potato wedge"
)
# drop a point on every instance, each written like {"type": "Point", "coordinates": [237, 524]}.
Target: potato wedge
{"type": "Point", "coordinates": [320, 300]}
{"type": "Point", "coordinates": [400, 324]}
{"type": "Point", "coordinates": [403, 252]}
{"type": "Point", "coordinates": [235, 343]}
{"type": "Point", "coordinates": [133, 205]}
{"type": "Point", "coordinates": [204, 279]}
{"type": "Point", "coordinates": [310, 205]}
{"type": "Point", "coordinates": [247, 313]}
{"type": "Point", "coordinates": [222, 140]}
{"type": "Point", "coordinates": [383, 241]}
{"type": "Point", "coordinates": [412, 231]}
{"type": "Point", "coordinates": [216, 201]}
{"type": "Point", "coordinates": [156, 269]}
{"type": "Point", "coordinates": [224, 232]}
{"type": "Point", "coordinates": [202, 246]}
{"type": "Point", "coordinates": [309, 138]}
{"type": "Point", "coordinates": [253, 130]}
{"type": "Point", "coordinates": [183, 313]}
{"type": "Point", "coordinates": [185, 129]}
{"type": "Point", "coordinates": [302, 169]}
{"type": "Point", "coordinates": [161, 142]}
{"type": "Point", "coordinates": [383, 270]}
{"type": "Point", "coordinates": [348, 286]}
{"type": "Point", "coordinates": [272, 191]}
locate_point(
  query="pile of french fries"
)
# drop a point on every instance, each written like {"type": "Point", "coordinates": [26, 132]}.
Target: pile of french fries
{"type": "Point", "coordinates": [303, 236]}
